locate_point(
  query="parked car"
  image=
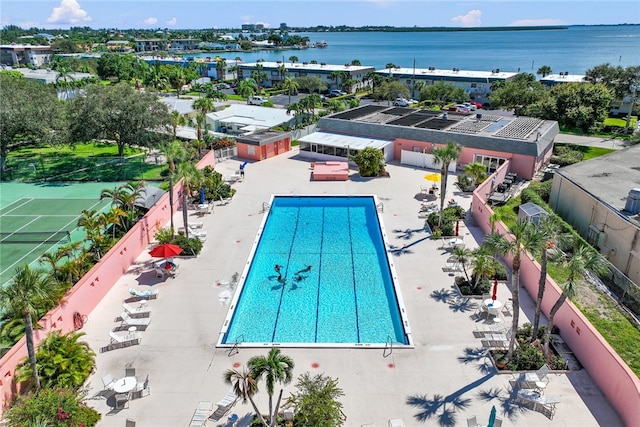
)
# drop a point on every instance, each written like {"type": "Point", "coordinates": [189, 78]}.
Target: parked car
{"type": "Point", "coordinates": [256, 100]}
{"type": "Point", "coordinates": [470, 106]}
{"type": "Point", "coordinates": [401, 102]}
{"type": "Point", "coordinates": [476, 103]}
{"type": "Point", "coordinates": [222, 86]}
{"type": "Point", "coordinates": [336, 92]}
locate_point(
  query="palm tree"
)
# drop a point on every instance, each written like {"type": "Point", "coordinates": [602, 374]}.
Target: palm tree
{"type": "Point", "coordinates": [221, 67]}
{"type": "Point", "coordinates": [274, 367]}
{"type": "Point", "coordinates": [174, 152]}
{"type": "Point", "coordinates": [485, 266]}
{"type": "Point", "coordinates": [247, 88]}
{"type": "Point", "coordinates": [524, 238]}
{"type": "Point", "coordinates": [204, 105]}
{"type": "Point", "coordinates": [293, 59]}
{"type": "Point", "coordinates": [259, 76]}
{"type": "Point", "coordinates": [27, 292]}
{"type": "Point", "coordinates": [356, 62]}
{"type": "Point", "coordinates": [291, 86]}
{"type": "Point", "coordinates": [282, 71]}
{"type": "Point", "coordinates": [444, 156]}
{"type": "Point", "coordinates": [477, 172]}
{"type": "Point", "coordinates": [244, 386]}
{"type": "Point", "coordinates": [62, 79]}
{"type": "Point", "coordinates": [583, 258]}
{"type": "Point", "coordinates": [177, 119]}
{"type": "Point", "coordinates": [544, 71]}
{"type": "Point", "coordinates": [463, 256]}
{"type": "Point", "coordinates": [93, 226]}
{"type": "Point", "coordinates": [192, 179]}
{"type": "Point", "coordinates": [551, 229]}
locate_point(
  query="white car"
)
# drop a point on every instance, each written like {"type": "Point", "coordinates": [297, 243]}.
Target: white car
{"type": "Point", "coordinates": [256, 100]}
{"type": "Point", "coordinates": [401, 102]}
{"type": "Point", "coordinates": [470, 106]}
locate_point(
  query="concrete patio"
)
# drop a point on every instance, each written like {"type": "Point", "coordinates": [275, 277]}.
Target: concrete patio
{"type": "Point", "coordinates": [442, 381]}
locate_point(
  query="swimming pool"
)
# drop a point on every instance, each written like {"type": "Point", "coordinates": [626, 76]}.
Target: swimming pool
{"type": "Point", "coordinates": [348, 297]}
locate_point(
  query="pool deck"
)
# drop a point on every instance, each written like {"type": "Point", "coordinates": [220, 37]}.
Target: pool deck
{"type": "Point", "coordinates": [443, 375]}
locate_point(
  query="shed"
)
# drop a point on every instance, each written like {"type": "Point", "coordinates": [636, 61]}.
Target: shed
{"type": "Point", "coordinates": [531, 212]}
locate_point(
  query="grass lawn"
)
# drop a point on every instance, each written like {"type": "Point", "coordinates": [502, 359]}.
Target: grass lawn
{"type": "Point", "coordinates": [588, 152]}
{"type": "Point", "coordinates": [82, 162]}
{"type": "Point", "coordinates": [603, 313]}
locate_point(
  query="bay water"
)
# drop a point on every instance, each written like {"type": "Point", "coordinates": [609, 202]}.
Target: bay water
{"type": "Point", "coordinates": [574, 49]}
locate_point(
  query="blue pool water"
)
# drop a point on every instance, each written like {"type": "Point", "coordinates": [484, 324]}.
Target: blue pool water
{"type": "Point", "coordinates": [347, 297]}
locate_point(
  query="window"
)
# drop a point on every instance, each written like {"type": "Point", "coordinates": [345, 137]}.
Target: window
{"type": "Point", "coordinates": [492, 163]}
{"type": "Point", "coordinates": [474, 85]}
{"type": "Point", "coordinates": [251, 150]}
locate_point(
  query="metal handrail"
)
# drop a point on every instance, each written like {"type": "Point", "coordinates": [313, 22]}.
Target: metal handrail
{"type": "Point", "coordinates": [388, 347]}
{"type": "Point", "coordinates": [265, 206]}
{"type": "Point", "coordinates": [235, 350]}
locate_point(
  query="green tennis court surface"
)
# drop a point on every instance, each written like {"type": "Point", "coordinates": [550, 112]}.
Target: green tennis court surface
{"type": "Point", "coordinates": [35, 218]}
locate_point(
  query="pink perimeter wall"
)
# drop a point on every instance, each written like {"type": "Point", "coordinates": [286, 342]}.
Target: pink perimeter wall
{"type": "Point", "coordinates": [616, 380]}
{"type": "Point", "coordinates": [88, 291]}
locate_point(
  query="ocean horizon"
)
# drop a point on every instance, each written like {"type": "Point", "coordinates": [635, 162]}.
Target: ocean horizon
{"type": "Point", "coordinates": [574, 49]}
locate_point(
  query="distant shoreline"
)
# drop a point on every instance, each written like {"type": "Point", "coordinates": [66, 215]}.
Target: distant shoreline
{"type": "Point", "coordinates": [424, 29]}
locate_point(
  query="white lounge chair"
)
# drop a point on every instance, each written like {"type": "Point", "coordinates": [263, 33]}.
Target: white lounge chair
{"type": "Point", "coordinates": [130, 338]}
{"type": "Point", "coordinates": [472, 422]}
{"type": "Point", "coordinates": [131, 321]}
{"type": "Point", "coordinates": [141, 309]}
{"type": "Point", "coordinates": [229, 399]}
{"type": "Point", "coordinates": [202, 235]}
{"type": "Point", "coordinates": [537, 380]}
{"type": "Point", "coordinates": [201, 414]}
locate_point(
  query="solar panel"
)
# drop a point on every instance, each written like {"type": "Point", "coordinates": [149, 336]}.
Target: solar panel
{"type": "Point", "coordinates": [519, 128]}
{"type": "Point", "coordinates": [437, 124]}
{"type": "Point", "coordinates": [358, 112]}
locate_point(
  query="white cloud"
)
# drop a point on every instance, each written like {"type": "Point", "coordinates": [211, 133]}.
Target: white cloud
{"type": "Point", "coordinates": [69, 12]}
{"type": "Point", "coordinates": [152, 20]}
{"type": "Point", "coordinates": [171, 22]}
{"type": "Point", "coordinates": [471, 19]}
{"type": "Point", "coordinates": [536, 22]}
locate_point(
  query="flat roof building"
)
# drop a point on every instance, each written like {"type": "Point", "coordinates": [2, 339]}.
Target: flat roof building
{"type": "Point", "coordinates": [476, 83]}
{"type": "Point", "coordinates": [24, 54]}
{"type": "Point", "coordinates": [489, 139]}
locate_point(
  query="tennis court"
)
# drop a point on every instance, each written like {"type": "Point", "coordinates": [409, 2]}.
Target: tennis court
{"type": "Point", "coordinates": [35, 218]}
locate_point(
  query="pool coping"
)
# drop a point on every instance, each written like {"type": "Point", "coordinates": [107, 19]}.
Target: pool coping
{"type": "Point", "coordinates": [392, 271]}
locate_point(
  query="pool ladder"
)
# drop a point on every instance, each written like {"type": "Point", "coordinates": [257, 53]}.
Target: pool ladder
{"type": "Point", "coordinates": [388, 347]}
{"type": "Point", "coordinates": [380, 207]}
{"type": "Point", "coordinates": [265, 207]}
{"type": "Point", "coordinates": [234, 350]}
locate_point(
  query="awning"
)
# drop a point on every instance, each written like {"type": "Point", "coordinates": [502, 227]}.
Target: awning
{"type": "Point", "coordinates": [148, 197]}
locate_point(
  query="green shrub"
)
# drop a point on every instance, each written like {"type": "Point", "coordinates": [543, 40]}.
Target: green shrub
{"type": "Point", "coordinates": [190, 246]}
{"type": "Point", "coordinates": [52, 407]}
{"type": "Point", "coordinates": [164, 235]}
{"type": "Point", "coordinates": [526, 357]}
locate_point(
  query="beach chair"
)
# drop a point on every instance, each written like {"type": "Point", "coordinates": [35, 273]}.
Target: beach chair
{"type": "Point", "coordinates": [108, 382]}
{"type": "Point", "coordinates": [141, 388]}
{"type": "Point", "coordinates": [537, 380]}
{"type": "Point", "coordinates": [201, 414]}
{"type": "Point", "coordinates": [472, 422]}
{"type": "Point", "coordinates": [148, 294]}
{"type": "Point", "coordinates": [132, 321]}
{"type": "Point", "coordinates": [126, 340]}
{"type": "Point", "coordinates": [141, 311]}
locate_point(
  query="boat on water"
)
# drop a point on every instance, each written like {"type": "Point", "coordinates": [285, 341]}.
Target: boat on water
{"type": "Point", "coordinates": [321, 44]}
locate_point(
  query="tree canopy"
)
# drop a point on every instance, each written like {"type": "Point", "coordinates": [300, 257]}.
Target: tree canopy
{"type": "Point", "coordinates": [118, 113]}
{"type": "Point", "coordinates": [516, 94]}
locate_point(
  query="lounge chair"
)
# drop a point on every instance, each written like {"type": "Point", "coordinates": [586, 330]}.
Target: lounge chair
{"type": "Point", "coordinates": [224, 405]}
{"type": "Point", "coordinates": [148, 294]}
{"type": "Point", "coordinates": [538, 402]}
{"type": "Point", "coordinates": [122, 400]}
{"type": "Point", "coordinates": [202, 235]}
{"type": "Point", "coordinates": [131, 321]}
{"type": "Point", "coordinates": [141, 388]}
{"type": "Point", "coordinates": [126, 340]}
{"type": "Point", "coordinates": [140, 310]}
{"type": "Point", "coordinates": [398, 422]}
{"type": "Point", "coordinates": [201, 414]}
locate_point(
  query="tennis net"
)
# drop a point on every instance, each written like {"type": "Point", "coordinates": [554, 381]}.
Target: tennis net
{"type": "Point", "coordinates": [35, 237]}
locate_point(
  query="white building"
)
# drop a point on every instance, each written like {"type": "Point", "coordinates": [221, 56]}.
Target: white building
{"type": "Point", "coordinates": [240, 119]}
{"type": "Point", "coordinates": [24, 54]}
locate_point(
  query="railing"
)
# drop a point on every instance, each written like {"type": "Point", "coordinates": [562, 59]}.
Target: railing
{"type": "Point", "coordinates": [265, 206]}
{"type": "Point", "coordinates": [234, 350]}
{"type": "Point", "coordinates": [388, 347]}
{"type": "Point", "coordinates": [380, 207]}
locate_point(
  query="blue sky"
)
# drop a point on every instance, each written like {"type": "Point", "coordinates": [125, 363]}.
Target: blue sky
{"type": "Point", "coordinates": [198, 14]}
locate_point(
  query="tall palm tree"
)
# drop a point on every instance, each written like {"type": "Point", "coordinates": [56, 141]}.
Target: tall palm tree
{"type": "Point", "coordinates": [177, 119]}
{"type": "Point", "coordinates": [204, 105]}
{"type": "Point", "coordinates": [463, 256]}
{"type": "Point", "coordinates": [276, 367]}
{"type": "Point", "coordinates": [192, 179]}
{"type": "Point", "coordinates": [477, 172]}
{"type": "Point", "coordinates": [174, 152]}
{"type": "Point", "coordinates": [544, 71]}
{"type": "Point", "coordinates": [282, 71]}
{"type": "Point", "coordinates": [485, 266]}
{"type": "Point", "coordinates": [524, 238]}
{"type": "Point", "coordinates": [582, 259]}
{"type": "Point", "coordinates": [259, 76]}
{"type": "Point", "coordinates": [244, 386]}
{"type": "Point", "coordinates": [293, 59]}
{"type": "Point", "coordinates": [291, 86]}
{"type": "Point", "coordinates": [444, 156]}
{"type": "Point", "coordinates": [247, 88]}
{"type": "Point", "coordinates": [221, 68]}
{"type": "Point", "coordinates": [555, 238]}
{"type": "Point", "coordinates": [27, 292]}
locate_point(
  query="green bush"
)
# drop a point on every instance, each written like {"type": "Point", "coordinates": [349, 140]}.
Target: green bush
{"type": "Point", "coordinates": [52, 407]}
{"type": "Point", "coordinates": [190, 246]}
{"type": "Point", "coordinates": [164, 235]}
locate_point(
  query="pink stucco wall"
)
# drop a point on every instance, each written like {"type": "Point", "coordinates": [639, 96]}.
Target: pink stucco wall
{"type": "Point", "coordinates": [616, 380]}
{"type": "Point", "coordinates": [524, 166]}
{"type": "Point", "coordinates": [88, 291]}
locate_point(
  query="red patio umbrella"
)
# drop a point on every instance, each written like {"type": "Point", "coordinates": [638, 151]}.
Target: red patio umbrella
{"type": "Point", "coordinates": [494, 295]}
{"type": "Point", "coordinates": [165, 250]}
{"type": "Point", "coordinates": [457, 227]}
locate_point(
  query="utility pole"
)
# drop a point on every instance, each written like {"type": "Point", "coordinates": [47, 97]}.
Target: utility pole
{"type": "Point", "coordinates": [633, 88]}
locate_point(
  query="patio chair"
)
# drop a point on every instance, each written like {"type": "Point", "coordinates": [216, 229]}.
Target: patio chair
{"type": "Point", "coordinates": [160, 272]}
{"type": "Point", "coordinates": [196, 224]}
{"type": "Point", "coordinates": [472, 422]}
{"type": "Point", "coordinates": [497, 422]}
{"type": "Point", "coordinates": [538, 402]}
{"type": "Point", "coordinates": [537, 380]}
{"type": "Point", "coordinates": [202, 235]}
{"type": "Point", "coordinates": [122, 400]}
{"type": "Point", "coordinates": [201, 414]}
{"type": "Point", "coordinates": [507, 308]}
{"type": "Point", "coordinates": [141, 309]}
{"type": "Point", "coordinates": [130, 321]}
{"type": "Point", "coordinates": [129, 371]}
{"type": "Point", "coordinates": [398, 422]}
{"type": "Point", "coordinates": [108, 382]}
{"type": "Point", "coordinates": [141, 388]}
